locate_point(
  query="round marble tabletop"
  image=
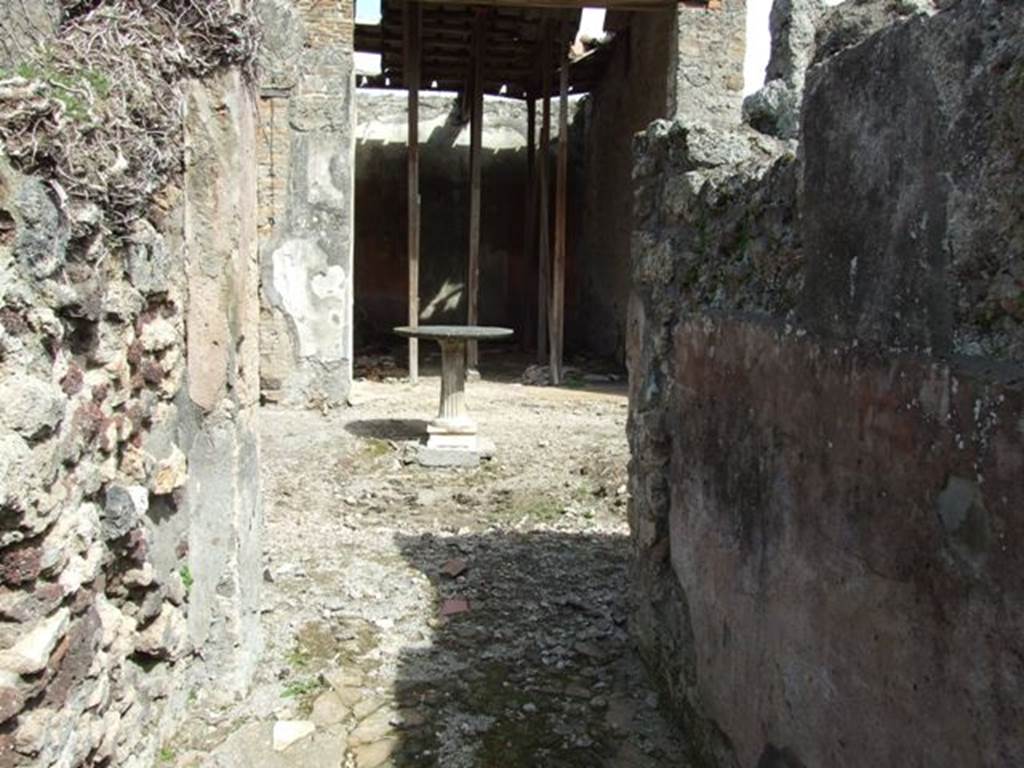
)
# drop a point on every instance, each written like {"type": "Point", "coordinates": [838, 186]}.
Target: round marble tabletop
{"type": "Point", "coordinates": [454, 332]}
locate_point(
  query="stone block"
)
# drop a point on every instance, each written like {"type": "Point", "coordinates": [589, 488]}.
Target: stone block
{"type": "Point", "coordinates": [11, 703]}
{"type": "Point", "coordinates": [169, 473]}
{"type": "Point", "coordinates": [166, 637]}
{"type": "Point", "coordinates": [158, 335]}
{"type": "Point", "coordinates": [32, 653]}
{"type": "Point", "coordinates": [15, 458]}
{"type": "Point", "coordinates": [123, 509]}
{"type": "Point", "coordinates": [31, 407]}
{"type": "Point", "coordinates": [288, 732]}
{"type": "Point", "coordinates": [149, 263]}
{"type": "Point", "coordinates": [42, 237]}
{"type": "Point", "coordinates": [20, 564]}
{"type": "Point", "coordinates": [328, 709]}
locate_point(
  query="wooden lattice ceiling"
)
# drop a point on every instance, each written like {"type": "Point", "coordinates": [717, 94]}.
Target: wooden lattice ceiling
{"type": "Point", "coordinates": [512, 49]}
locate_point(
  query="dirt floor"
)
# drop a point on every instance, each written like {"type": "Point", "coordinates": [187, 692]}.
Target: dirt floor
{"type": "Point", "coordinates": [453, 618]}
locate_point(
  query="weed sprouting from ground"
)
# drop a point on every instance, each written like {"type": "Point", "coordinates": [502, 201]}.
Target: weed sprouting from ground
{"type": "Point", "coordinates": [301, 688]}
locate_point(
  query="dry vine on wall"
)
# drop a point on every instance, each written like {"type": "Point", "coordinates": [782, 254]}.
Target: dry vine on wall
{"type": "Point", "coordinates": [98, 110]}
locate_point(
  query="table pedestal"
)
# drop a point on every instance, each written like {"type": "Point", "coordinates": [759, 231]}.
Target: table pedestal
{"type": "Point", "coordinates": [451, 437]}
{"type": "Point", "coordinates": [453, 427]}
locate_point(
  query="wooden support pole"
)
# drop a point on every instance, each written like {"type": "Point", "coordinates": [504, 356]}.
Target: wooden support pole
{"type": "Point", "coordinates": [544, 238]}
{"type": "Point", "coordinates": [529, 236]}
{"type": "Point", "coordinates": [556, 324]}
{"type": "Point", "coordinates": [412, 14]}
{"type": "Point", "coordinates": [475, 140]}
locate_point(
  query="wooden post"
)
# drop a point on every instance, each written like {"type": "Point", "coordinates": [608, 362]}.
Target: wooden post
{"type": "Point", "coordinates": [412, 16]}
{"type": "Point", "coordinates": [544, 238]}
{"type": "Point", "coordinates": [556, 324]}
{"type": "Point", "coordinates": [529, 241]}
{"type": "Point", "coordinates": [475, 139]}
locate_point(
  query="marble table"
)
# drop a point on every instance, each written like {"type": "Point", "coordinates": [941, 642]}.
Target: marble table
{"type": "Point", "coordinates": [452, 438]}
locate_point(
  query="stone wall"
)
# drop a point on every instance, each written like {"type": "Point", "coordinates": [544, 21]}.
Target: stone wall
{"type": "Point", "coordinates": [708, 57]}
{"type": "Point", "coordinates": [804, 31]}
{"type": "Point", "coordinates": [222, 497]}
{"type": "Point", "coordinates": [306, 160]}
{"type": "Point", "coordinates": [826, 413]}
{"type": "Point", "coordinates": [381, 255]}
{"type": "Point", "coordinates": [633, 91]}
{"type": "Point", "coordinates": [687, 63]}
{"type": "Point", "coordinates": [92, 364]}
{"type": "Point", "coordinates": [129, 507]}
{"type": "Point", "coordinates": [24, 25]}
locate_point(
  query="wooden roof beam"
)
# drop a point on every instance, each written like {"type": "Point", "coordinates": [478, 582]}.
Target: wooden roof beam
{"type": "Point", "coordinates": [611, 5]}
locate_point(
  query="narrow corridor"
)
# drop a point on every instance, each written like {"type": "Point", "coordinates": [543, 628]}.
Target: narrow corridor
{"type": "Point", "coordinates": [455, 618]}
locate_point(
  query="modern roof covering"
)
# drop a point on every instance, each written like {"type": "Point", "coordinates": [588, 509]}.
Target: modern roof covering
{"type": "Point", "coordinates": [512, 49]}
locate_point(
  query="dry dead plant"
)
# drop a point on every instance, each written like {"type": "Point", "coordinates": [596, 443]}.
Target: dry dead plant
{"type": "Point", "coordinates": [98, 111]}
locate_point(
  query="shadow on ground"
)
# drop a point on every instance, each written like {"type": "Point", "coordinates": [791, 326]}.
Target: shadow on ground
{"type": "Point", "coordinates": [529, 663]}
{"type": "Point", "coordinates": [388, 429]}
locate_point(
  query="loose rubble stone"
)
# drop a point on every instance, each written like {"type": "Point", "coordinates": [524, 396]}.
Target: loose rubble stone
{"type": "Point", "coordinates": [454, 568]}
{"type": "Point", "coordinates": [345, 677]}
{"type": "Point", "coordinates": [373, 727]}
{"type": "Point", "coordinates": [42, 237]}
{"type": "Point", "coordinates": [374, 755]}
{"type": "Point", "coordinates": [176, 591]}
{"type": "Point", "coordinates": [15, 456]}
{"type": "Point", "coordinates": [454, 606]}
{"type": "Point", "coordinates": [11, 702]}
{"type": "Point", "coordinates": [158, 334]}
{"type": "Point", "coordinates": [150, 267]}
{"type": "Point", "coordinates": [328, 709]}
{"type": "Point", "coordinates": [139, 577]}
{"type": "Point", "coordinates": [367, 703]}
{"type": "Point", "coordinates": [287, 732]}
{"type": "Point", "coordinates": [170, 473]}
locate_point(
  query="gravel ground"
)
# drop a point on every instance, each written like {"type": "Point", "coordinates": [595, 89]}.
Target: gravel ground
{"type": "Point", "coordinates": [453, 618]}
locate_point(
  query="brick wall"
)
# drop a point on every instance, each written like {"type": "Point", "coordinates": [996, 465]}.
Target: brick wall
{"type": "Point", "coordinates": [273, 151]}
{"type": "Point", "coordinates": [327, 22]}
{"type": "Point", "coordinates": [305, 165]}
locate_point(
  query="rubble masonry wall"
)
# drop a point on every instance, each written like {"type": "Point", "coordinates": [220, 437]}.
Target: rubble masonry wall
{"type": "Point", "coordinates": [826, 412]}
{"type": "Point", "coordinates": [687, 62]}
{"type": "Point", "coordinates": [129, 497]}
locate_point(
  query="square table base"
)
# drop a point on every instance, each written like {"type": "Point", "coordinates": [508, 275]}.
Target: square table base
{"type": "Point", "coordinates": [454, 451]}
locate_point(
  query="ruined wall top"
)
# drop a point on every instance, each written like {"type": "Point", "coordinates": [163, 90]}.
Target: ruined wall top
{"type": "Point", "coordinates": [807, 31]}
{"type": "Point", "coordinates": [711, 43]}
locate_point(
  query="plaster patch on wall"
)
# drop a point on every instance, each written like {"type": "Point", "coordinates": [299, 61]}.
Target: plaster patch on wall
{"type": "Point", "coordinates": [313, 294]}
{"type": "Point", "coordinates": [328, 172]}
